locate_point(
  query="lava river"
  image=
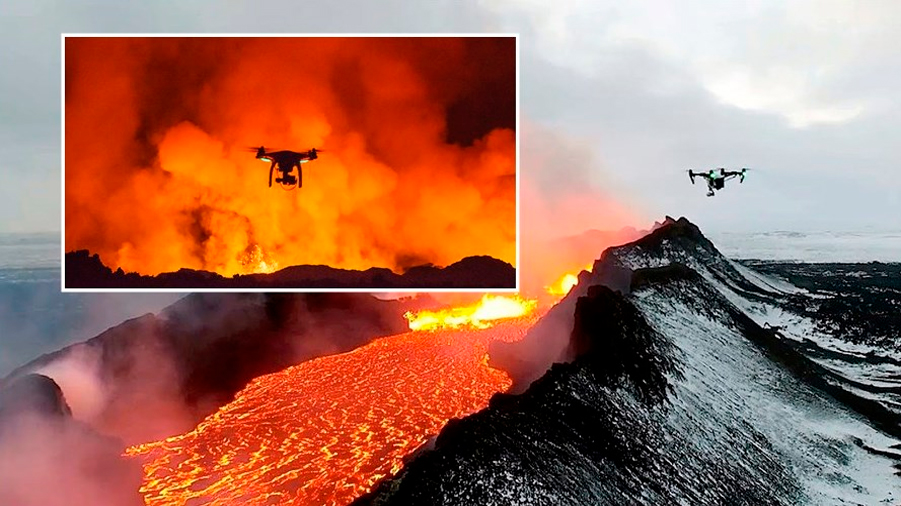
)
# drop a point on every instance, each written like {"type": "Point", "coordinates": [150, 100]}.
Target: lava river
{"type": "Point", "coordinates": [325, 431]}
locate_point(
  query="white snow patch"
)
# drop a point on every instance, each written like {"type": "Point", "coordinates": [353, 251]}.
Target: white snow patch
{"type": "Point", "coordinates": [808, 428]}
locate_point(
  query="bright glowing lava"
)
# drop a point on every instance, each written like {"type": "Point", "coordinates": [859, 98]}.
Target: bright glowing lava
{"type": "Point", "coordinates": [480, 315]}
{"type": "Point", "coordinates": [325, 431]}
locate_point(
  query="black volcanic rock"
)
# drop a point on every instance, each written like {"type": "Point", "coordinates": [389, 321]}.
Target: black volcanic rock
{"type": "Point", "coordinates": [84, 270]}
{"type": "Point", "coordinates": [682, 232]}
{"type": "Point", "coordinates": [666, 274]}
{"type": "Point", "coordinates": [674, 241]}
{"type": "Point", "coordinates": [677, 250]}
{"type": "Point", "coordinates": [672, 392]}
{"type": "Point", "coordinates": [479, 272]}
{"type": "Point", "coordinates": [618, 345]}
{"type": "Point", "coordinates": [867, 311]}
{"type": "Point", "coordinates": [161, 374]}
{"type": "Point", "coordinates": [667, 220]}
{"type": "Point", "coordinates": [671, 242]}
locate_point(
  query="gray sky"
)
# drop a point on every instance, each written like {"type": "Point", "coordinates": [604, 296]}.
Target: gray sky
{"type": "Point", "coordinates": [625, 97]}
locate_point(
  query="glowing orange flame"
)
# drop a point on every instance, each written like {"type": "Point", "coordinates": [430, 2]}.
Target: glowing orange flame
{"type": "Point", "coordinates": [480, 315]}
{"type": "Point", "coordinates": [257, 262]}
{"type": "Point", "coordinates": [563, 285]}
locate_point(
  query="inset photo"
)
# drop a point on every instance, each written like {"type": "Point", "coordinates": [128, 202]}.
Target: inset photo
{"type": "Point", "coordinates": [301, 163]}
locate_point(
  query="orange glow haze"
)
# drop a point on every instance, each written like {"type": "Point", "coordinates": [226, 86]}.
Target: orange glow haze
{"type": "Point", "coordinates": [418, 164]}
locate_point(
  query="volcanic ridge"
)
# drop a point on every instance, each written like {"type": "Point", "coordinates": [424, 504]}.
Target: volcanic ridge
{"type": "Point", "coordinates": [682, 378]}
{"type": "Point", "coordinates": [84, 270]}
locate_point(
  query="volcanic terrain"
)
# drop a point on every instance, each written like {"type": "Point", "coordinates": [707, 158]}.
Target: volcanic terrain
{"type": "Point", "coordinates": [159, 375]}
{"type": "Point", "coordinates": [84, 270]}
{"type": "Point", "coordinates": [686, 378]}
{"type": "Point", "coordinates": [668, 374]}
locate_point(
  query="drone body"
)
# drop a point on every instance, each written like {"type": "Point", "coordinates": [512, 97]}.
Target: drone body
{"type": "Point", "coordinates": [285, 162]}
{"type": "Point", "coordinates": [716, 178]}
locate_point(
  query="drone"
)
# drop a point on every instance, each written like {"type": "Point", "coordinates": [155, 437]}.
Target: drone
{"type": "Point", "coordinates": [716, 178]}
{"type": "Point", "coordinates": [285, 161]}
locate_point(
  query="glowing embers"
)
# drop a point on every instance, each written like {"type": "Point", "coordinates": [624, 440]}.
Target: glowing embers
{"type": "Point", "coordinates": [255, 261]}
{"type": "Point", "coordinates": [480, 315]}
{"type": "Point", "coordinates": [325, 431]}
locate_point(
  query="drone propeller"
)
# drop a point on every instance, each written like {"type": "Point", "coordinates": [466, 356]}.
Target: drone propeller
{"type": "Point", "coordinates": [254, 149]}
{"type": "Point", "coordinates": [259, 150]}
{"type": "Point", "coordinates": [313, 153]}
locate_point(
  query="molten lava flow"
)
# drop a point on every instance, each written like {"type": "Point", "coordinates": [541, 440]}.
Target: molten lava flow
{"type": "Point", "coordinates": [480, 315]}
{"type": "Point", "coordinates": [324, 431]}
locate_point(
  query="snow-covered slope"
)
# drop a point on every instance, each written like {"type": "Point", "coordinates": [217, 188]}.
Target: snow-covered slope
{"type": "Point", "coordinates": [677, 394]}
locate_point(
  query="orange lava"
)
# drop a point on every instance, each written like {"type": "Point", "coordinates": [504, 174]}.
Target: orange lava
{"type": "Point", "coordinates": [325, 431]}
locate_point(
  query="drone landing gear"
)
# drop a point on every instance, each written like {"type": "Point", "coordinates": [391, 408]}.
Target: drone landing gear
{"type": "Point", "coordinates": [289, 181]}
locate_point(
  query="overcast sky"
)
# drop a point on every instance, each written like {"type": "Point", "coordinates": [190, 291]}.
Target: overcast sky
{"type": "Point", "coordinates": [629, 95]}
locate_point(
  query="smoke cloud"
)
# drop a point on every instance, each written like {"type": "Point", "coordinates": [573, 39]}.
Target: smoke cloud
{"type": "Point", "coordinates": [49, 459]}
{"type": "Point", "coordinates": [158, 375]}
{"type": "Point", "coordinates": [54, 464]}
{"type": "Point", "coordinates": [130, 390]}
{"type": "Point", "coordinates": [418, 133]}
{"type": "Point", "coordinates": [567, 219]}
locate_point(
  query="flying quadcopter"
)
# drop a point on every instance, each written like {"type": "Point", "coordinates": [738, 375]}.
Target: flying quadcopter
{"type": "Point", "coordinates": [716, 178]}
{"type": "Point", "coordinates": [285, 161]}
